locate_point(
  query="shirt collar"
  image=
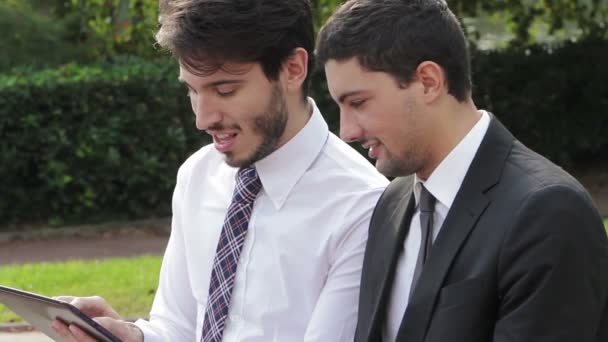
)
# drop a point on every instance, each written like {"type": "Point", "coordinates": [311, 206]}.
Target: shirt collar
{"type": "Point", "coordinates": [283, 168]}
{"type": "Point", "coordinates": [446, 179]}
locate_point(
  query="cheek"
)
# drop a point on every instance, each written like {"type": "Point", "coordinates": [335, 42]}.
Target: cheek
{"type": "Point", "coordinates": [348, 119]}
{"type": "Point", "coordinates": [193, 103]}
{"type": "Point", "coordinates": [373, 122]}
{"type": "Point", "coordinates": [388, 130]}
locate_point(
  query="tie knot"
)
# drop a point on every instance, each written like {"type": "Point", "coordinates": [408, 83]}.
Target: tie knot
{"type": "Point", "coordinates": [427, 201]}
{"type": "Point", "coordinates": [248, 184]}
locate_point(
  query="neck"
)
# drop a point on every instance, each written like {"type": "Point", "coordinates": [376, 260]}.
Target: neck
{"type": "Point", "coordinates": [299, 112]}
{"type": "Point", "coordinates": [453, 125]}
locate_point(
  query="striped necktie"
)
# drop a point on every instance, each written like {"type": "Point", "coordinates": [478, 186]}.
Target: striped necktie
{"type": "Point", "coordinates": [229, 248]}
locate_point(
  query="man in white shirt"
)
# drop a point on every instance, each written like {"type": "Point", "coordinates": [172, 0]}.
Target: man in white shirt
{"type": "Point", "coordinates": [286, 265]}
{"type": "Point", "coordinates": [487, 241]}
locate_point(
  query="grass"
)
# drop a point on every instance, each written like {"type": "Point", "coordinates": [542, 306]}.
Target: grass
{"type": "Point", "coordinates": [128, 284]}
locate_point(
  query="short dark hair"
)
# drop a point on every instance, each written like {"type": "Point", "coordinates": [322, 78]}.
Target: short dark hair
{"type": "Point", "coordinates": [204, 34]}
{"type": "Point", "coordinates": [395, 36]}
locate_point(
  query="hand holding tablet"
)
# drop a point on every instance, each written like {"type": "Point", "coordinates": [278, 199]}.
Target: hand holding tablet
{"type": "Point", "coordinates": [41, 311]}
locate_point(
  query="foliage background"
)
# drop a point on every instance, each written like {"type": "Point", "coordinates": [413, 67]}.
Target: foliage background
{"type": "Point", "coordinates": [94, 124]}
{"type": "Point", "coordinates": [96, 142]}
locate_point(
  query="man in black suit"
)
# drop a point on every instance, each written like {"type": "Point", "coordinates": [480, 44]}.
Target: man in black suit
{"type": "Point", "coordinates": [486, 240]}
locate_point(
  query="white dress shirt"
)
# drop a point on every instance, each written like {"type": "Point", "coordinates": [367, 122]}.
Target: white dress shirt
{"type": "Point", "coordinates": [443, 184]}
{"type": "Point", "coordinates": [299, 271]}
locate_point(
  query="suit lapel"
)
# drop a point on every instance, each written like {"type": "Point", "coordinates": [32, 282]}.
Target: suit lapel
{"type": "Point", "coordinates": [388, 229]}
{"type": "Point", "coordinates": [469, 204]}
{"type": "Point", "coordinates": [462, 218]}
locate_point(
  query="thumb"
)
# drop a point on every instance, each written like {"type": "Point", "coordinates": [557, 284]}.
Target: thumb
{"type": "Point", "coordinates": [126, 331]}
{"type": "Point", "coordinates": [95, 306]}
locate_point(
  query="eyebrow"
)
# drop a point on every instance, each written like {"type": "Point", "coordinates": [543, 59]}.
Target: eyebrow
{"type": "Point", "coordinates": [343, 97]}
{"type": "Point", "coordinates": [214, 83]}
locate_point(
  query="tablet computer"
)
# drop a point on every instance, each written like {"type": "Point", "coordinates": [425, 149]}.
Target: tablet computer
{"type": "Point", "coordinates": [41, 311]}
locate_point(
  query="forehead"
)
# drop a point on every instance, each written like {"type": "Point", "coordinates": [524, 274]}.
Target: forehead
{"type": "Point", "coordinates": [348, 76]}
{"type": "Point", "coordinates": [232, 70]}
{"type": "Point", "coordinates": [338, 69]}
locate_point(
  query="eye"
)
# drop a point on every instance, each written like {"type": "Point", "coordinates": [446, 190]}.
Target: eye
{"type": "Point", "coordinates": [225, 90]}
{"type": "Point", "coordinates": [357, 103]}
{"type": "Point", "coordinates": [189, 91]}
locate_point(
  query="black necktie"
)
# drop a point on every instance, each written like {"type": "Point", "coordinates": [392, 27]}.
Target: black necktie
{"type": "Point", "coordinates": [427, 207]}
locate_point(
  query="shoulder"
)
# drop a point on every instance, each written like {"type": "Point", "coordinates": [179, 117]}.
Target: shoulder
{"type": "Point", "coordinates": [396, 191]}
{"type": "Point", "coordinates": [536, 176]}
{"type": "Point", "coordinates": [399, 189]}
{"type": "Point", "coordinates": [546, 201]}
{"type": "Point", "coordinates": [343, 181]}
{"type": "Point", "coordinates": [202, 162]}
{"type": "Point", "coordinates": [343, 166]}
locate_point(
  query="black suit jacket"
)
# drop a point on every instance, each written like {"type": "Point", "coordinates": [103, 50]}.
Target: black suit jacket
{"type": "Point", "coordinates": [522, 256]}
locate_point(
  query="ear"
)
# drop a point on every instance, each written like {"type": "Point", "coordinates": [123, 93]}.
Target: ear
{"type": "Point", "coordinates": [295, 69]}
{"type": "Point", "coordinates": [433, 80]}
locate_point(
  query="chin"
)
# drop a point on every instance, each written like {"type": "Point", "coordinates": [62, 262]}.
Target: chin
{"type": "Point", "coordinates": [391, 168]}
{"type": "Point", "coordinates": [383, 168]}
{"type": "Point", "coordinates": [250, 157]}
{"type": "Point", "coordinates": [238, 162]}
{"type": "Point", "coordinates": [231, 160]}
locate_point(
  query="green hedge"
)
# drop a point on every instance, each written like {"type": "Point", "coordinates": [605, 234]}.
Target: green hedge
{"type": "Point", "coordinates": [29, 38]}
{"type": "Point", "coordinates": [555, 101]}
{"type": "Point", "coordinates": [81, 144]}
{"type": "Point", "coordinates": [87, 143]}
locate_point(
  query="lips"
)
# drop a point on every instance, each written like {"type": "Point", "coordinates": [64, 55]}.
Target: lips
{"type": "Point", "coordinates": [373, 149]}
{"type": "Point", "coordinates": [224, 141]}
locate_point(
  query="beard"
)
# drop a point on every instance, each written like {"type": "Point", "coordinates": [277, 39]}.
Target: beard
{"type": "Point", "coordinates": [394, 166]}
{"type": "Point", "coordinates": [407, 157]}
{"type": "Point", "coordinates": [270, 126]}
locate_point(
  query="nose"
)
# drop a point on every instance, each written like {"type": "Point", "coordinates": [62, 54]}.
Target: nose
{"type": "Point", "coordinates": [350, 130]}
{"type": "Point", "coordinates": [207, 113]}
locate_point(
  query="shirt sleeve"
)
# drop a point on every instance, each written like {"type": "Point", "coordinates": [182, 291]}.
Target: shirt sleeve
{"type": "Point", "coordinates": [174, 311]}
{"type": "Point", "coordinates": [335, 315]}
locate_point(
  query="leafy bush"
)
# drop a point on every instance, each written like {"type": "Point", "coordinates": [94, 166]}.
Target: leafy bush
{"type": "Point", "coordinates": [111, 27]}
{"type": "Point", "coordinates": [554, 101]}
{"type": "Point", "coordinates": [27, 36]}
{"type": "Point", "coordinates": [46, 33]}
{"type": "Point", "coordinates": [83, 143]}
